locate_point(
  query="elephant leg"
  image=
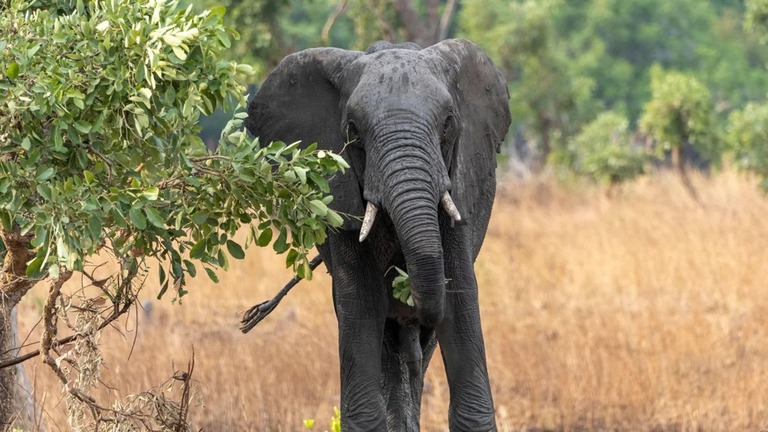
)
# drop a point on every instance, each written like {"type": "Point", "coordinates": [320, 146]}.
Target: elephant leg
{"type": "Point", "coordinates": [461, 341]}
{"type": "Point", "coordinates": [361, 306]}
{"type": "Point", "coordinates": [405, 357]}
{"type": "Point", "coordinates": [397, 377]}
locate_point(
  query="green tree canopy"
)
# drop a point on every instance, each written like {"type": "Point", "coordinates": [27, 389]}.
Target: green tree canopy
{"type": "Point", "coordinates": [99, 153]}
{"type": "Point", "coordinates": [747, 136]}
{"type": "Point", "coordinates": [603, 151]}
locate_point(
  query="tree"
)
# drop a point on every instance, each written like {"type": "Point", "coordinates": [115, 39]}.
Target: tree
{"type": "Point", "coordinates": [746, 135]}
{"type": "Point", "coordinates": [424, 22]}
{"type": "Point", "coordinates": [546, 98]}
{"type": "Point", "coordinates": [604, 152]}
{"type": "Point", "coordinates": [99, 155]}
{"type": "Point", "coordinates": [756, 18]}
{"type": "Point", "coordinates": [680, 114]}
{"type": "Point", "coordinates": [261, 40]}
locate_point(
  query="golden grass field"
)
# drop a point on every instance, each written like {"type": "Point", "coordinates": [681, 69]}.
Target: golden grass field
{"type": "Point", "coordinates": [644, 311]}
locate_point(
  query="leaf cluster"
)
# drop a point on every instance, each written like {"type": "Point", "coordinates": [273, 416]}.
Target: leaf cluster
{"type": "Point", "coordinates": [604, 152]}
{"type": "Point", "coordinates": [747, 135]}
{"type": "Point", "coordinates": [680, 112]}
{"type": "Point", "coordinates": [99, 107]}
{"type": "Point", "coordinates": [401, 287]}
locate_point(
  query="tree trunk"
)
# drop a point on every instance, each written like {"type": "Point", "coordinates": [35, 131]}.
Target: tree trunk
{"type": "Point", "coordinates": [13, 285]}
{"type": "Point", "coordinates": [7, 375]}
{"type": "Point", "coordinates": [679, 162]}
{"type": "Point", "coordinates": [428, 29]}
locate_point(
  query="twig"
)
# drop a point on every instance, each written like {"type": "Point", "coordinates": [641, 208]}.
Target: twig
{"type": "Point", "coordinates": [255, 314]}
{"type": "Point", "coordinates": [69, 339]}
{"type": "Point", "coordinates": [185, 395]}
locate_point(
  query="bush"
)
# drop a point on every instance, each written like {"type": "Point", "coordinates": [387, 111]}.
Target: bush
{"type": "Point", "coordinates": [603, 151]}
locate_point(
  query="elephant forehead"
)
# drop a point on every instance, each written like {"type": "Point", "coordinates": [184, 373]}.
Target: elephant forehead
{"type": "Point", "coordinates": [392, 79]}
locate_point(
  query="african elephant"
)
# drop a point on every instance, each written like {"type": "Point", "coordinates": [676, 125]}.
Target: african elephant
{"type": "Point", "coordinates": [420, 129]}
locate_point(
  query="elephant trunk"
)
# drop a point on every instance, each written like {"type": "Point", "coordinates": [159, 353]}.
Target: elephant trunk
{"type": "Point", "coordinates": [411, 199]}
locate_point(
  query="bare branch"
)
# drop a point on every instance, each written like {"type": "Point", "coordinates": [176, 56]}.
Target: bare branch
{"type": "Point", "coordinates": [120, 309]}
{"type": "Point", "coordinates": [255, 314]}
{"type": "Point", "coordinates": [341, 7]}
{"type": "Point", "coordinates": [445, 20]}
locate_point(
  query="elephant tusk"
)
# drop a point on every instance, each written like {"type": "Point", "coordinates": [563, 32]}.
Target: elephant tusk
{"type": "Point", "coordinates": [450, 207]}
{"type": "Point", "coordinates": [370, 216]}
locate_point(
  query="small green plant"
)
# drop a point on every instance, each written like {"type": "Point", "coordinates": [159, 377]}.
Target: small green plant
{"type": "Point", "coordinates": [334, 424]}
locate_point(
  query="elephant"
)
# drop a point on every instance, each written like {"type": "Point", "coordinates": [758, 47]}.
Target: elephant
{"type": "Point", "coordinates": [420, 129]}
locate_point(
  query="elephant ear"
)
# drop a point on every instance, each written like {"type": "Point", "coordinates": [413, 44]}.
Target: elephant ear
{"type": "Point", "coordinates": [300, 101]}
{"type": "Point", "coordinates": [480, 94]}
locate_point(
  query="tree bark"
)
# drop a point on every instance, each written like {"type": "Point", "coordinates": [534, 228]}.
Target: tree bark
{"type": "Point", "coordinates": [13, 285]}
{"type": "Point", "coordinates": [427, 30]}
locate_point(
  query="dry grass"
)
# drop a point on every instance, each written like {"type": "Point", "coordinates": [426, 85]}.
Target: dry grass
{"type": "Point", "coordinates": [646, 311]}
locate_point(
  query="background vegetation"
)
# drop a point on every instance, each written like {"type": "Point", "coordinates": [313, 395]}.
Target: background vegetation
{"type": "Point", "coordinates": [567, 63]}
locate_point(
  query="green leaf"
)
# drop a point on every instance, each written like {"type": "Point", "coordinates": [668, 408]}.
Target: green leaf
{"type": "Point", "coordinates": [190, 268]}
{"type": "Point", "coordinates": [199, 218]}
{"type": "Point", "coordinates": [334, 219]}
{"type": "Point", "coordinates": [163, 280]}
{"type": "Point", "coordinates": [264, 238]}
{"type": "Point", "coordinates": [34, 267]}
{"type": "Point", "coordinates": [44, 190]}
{"type": "Point", "coordinates": [318, 208]}
{"type": "Point", "coordinates": [41, 235]}
{"type": "Point", "coordinates": [218, 11]}
{"type": "Point", "coordinates": [212, 275]}
{"type": "Point", "coordinates": [6, 219]}
{"type": "Point", "coordinates": [235, 250]}
{"type": "Point", "coordinates": [171, 40]}
{"type": "Point", "coordinates": [198, 250]}
{"type": "Point", "coordinates": [222, 260]}
{"type": "Point", "coordinates": [12, 71]}
{"type": "Point", "coordinates": [280, 244]}
{"type": "Point", "coordinates": [45, 174]}
{"type": "Point", "coordinates": [137, 218]}
{"type": "Point", "coordinates": [151, 193]}
{"type": "Point", "coordinates": [290, 258]}
{"type": "Point", "coordinates": [179, 51]}
{"type": "Point", "coordinates": [94, 226]}
{"type": "Point", "coordinates": [82, 126]}
{"type": "Point", "coordinates": [25, 143]}
{"type": "Point", "coordinates": [154, 217]}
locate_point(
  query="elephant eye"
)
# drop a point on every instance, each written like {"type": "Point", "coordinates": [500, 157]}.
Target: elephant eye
{"type": "Point", "coordinates": [351, 133]}
{"type": "Point", "coordinates": [449, 127]}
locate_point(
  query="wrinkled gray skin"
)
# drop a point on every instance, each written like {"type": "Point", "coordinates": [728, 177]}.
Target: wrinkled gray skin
{"type": "Point", "coordinates": [418, 123]}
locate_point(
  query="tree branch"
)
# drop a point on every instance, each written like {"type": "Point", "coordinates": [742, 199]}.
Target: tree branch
{"type": "Point", "coordinates": [119, 311]}
{"type": "Point", "coordinates": [341, 7]}
{"type": "Point", "coordinates": [445, 20]}
{"type": "Point", "coordinates": [255, 314]}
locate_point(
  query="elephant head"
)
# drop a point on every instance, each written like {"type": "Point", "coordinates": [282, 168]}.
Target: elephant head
{"type": "Point", "coordinates": [419, 128]}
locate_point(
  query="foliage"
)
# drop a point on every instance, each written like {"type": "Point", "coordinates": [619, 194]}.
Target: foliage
{"type": "Point", "coordinates": [756, 18]}
{"type": "Point", "coordinates": [520, 36]}
{"type": "Point", "coordinates": [401, 287]}
{"type": "Point", "coordinates": [603, 151]}
{"type": "Point", "coordinates": [747, 136]}
{"type": "Point", "coordinates": [261, 40]}
{"type": "Point", "coordinates": [680, 112]}
{"type": "Point", "coordinates": [99, 146]}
